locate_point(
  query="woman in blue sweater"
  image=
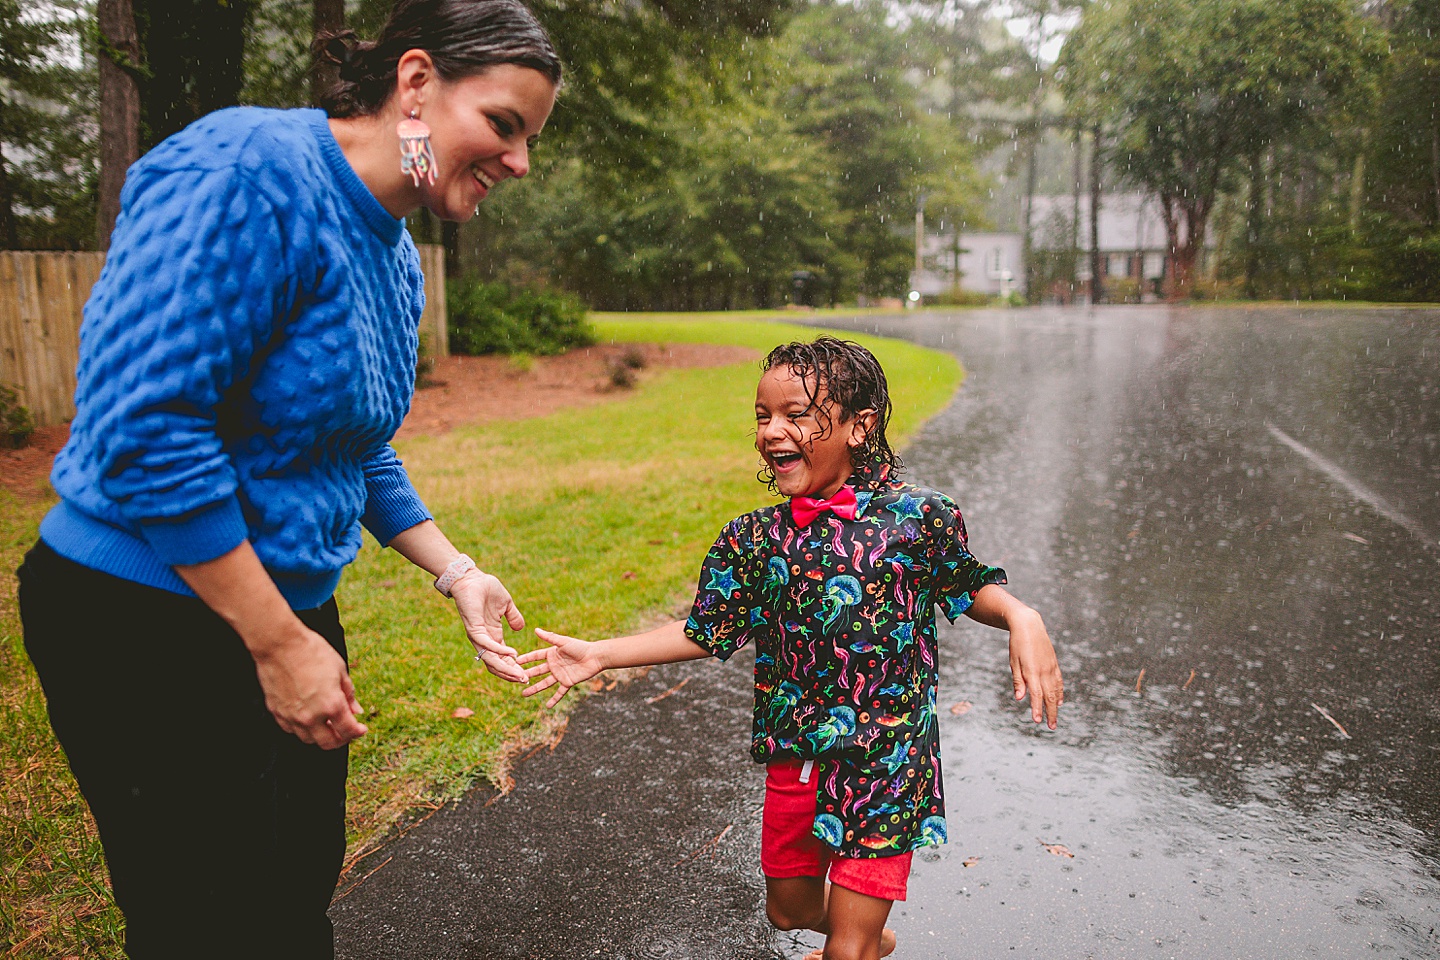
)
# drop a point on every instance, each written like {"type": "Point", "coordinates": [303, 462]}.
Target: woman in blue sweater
{"type": "Point", "coordinates": [246, 356]}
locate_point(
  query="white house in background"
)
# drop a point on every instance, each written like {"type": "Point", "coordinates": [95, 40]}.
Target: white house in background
{"type": "Point", "coordinates": [988, 263]}
{"type": "Point", "coordinates": [1132, 246]}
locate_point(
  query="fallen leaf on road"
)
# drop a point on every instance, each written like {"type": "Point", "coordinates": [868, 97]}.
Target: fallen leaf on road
{"type": "Point", "coordinates": [1059, 849]}
{"type": "Point", "coordinates": [1356, 538]}
{"type": "Point", "coordinates": [462, 713]}
{"type": "Point", "coordinates": [970, 861]}
{"type": "Point", "coordinates": [962, 707]}
{"type": "Point", "coordinates": [597, 684]}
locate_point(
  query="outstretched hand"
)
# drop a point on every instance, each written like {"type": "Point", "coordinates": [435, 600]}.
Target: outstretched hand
{"type": "Point", "coordinates": [1035, 671]}
{"type": "Point", "coordinates": [485, 609]}
{"type": "Point", "coordinates": [563, 664]}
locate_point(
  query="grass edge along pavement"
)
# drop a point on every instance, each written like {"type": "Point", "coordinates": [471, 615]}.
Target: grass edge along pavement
{"type": "Point", "coordinates": [596, 518]}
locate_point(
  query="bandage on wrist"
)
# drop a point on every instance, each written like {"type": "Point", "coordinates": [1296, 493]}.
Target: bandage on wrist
{"type": "Point", "coordinates": [458, 567]}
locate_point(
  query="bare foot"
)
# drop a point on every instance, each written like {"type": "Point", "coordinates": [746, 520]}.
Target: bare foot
{"type": "Point", "coordinates": [887, 946]}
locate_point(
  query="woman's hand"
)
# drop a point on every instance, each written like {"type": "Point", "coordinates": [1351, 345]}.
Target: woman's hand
{"type": "Point", "coordinates": [568, 662]}
{"type": "Point", "coordinates": [485, 604]}
{"type": "Point", "coordinates": [306, 685]}
{"type": "Point", "coordinates": [308, 690]}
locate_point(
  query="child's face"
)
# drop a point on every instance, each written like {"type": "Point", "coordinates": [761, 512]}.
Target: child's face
{"type": "Point", "coordinates": [806, 445]}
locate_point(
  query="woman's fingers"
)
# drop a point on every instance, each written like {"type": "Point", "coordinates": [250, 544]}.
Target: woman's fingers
{"type": "Point", "coordinates": [347, 686]}
{"type": "Point", "coordinates": [485, 642]}
{"type": "Point", "coordinates": [503, 667]}
{"type": "Point", "coordinates": [532, 656]}
{"type": "Point", "coordinates": [514, 617]}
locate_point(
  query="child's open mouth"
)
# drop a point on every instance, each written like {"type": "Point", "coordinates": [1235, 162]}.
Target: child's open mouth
{"type": "Point", "coordinates": [783, 461]}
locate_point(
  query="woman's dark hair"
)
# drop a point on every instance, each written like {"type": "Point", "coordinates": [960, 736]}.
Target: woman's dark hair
{"type": "Point", "coordinates": [463, 37]}
{"type": "Point", "coordinates": [852, 381]}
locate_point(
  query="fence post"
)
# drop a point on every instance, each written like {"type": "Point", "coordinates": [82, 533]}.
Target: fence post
{"type": "Point", "coordinates": [434, 320]}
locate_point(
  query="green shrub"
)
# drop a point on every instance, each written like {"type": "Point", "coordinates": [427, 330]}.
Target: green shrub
{"type": "Point", "coordinates": [16, 424]}
{"type": "Point", "coordinates": [491, 318]}
{"type": "Point", "coordinates": [958, 297]}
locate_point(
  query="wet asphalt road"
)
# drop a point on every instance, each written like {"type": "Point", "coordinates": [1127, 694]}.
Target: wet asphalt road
{"type": "Point", "coordinates": [1244, 505]}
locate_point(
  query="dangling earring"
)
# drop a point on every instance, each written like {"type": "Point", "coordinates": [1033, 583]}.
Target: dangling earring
{"type": "Point", "coordinates": [417, 157]}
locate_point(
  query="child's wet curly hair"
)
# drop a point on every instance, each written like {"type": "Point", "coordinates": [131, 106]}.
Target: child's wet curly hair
{"type": "Point", "coordinates": [853, 381]}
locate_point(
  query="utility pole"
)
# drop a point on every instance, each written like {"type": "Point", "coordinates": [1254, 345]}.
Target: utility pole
{"type": "Point", "coordinates": [919, 244]}
{"type": "Point", "coordinates": [1097, 286]}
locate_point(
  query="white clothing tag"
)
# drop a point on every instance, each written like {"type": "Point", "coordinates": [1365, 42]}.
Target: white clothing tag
{"type": "Point", "coordinates": [805, 771]}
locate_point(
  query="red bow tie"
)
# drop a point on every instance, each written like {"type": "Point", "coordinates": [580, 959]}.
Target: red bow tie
{"type": "Point", "coordinates": [806, 509]}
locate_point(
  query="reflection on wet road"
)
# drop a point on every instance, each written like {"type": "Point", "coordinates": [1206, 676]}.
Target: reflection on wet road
{"type": "Point", "coordinates": [1229, 520]}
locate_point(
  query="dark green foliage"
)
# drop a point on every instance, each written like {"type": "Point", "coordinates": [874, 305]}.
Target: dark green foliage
{"type": "Point", "coordinates": [490, 318]}
{"type": "Point", "coordinates": [193, 55]}
{"type": "Point", "coordinates": [16, 423]}
{"type": "Point", "coordinates": [47, 128]}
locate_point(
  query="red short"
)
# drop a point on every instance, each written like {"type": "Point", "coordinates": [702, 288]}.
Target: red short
{"type": "Point", "coordinates": [788, 848]}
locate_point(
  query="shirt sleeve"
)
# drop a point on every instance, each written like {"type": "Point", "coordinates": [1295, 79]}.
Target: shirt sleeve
{"type": "Point", "coordinates": [730, 604]}
{"type": "Point", "coordinates": [197, 279]}
{"type": "Point", "coordinates": [958, 575]}
{"type": "Point", "coordinates": [391, 503]}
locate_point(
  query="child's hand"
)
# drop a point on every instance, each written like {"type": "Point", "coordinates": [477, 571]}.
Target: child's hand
{"type": "Point", "coordinates": [568, 661]}
{"type": "Point", "coordinates": [1035, 670]}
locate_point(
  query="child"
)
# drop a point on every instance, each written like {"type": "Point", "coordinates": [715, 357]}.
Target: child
{"type": "Point", "coordinates": [837, 588]}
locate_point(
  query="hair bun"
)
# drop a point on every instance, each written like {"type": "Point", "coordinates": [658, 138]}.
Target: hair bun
{"type": "Point", "coordinates": [341, 47]}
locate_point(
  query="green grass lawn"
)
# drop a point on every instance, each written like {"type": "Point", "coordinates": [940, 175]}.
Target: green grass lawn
{"type": "Point", "coordinates": [596, 519]}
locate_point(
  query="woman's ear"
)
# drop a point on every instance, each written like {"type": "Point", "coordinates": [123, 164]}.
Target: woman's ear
{"type": "Point", "coordinates": [413, 73]}
{"type": "Point", "coordinates": [860, 428]}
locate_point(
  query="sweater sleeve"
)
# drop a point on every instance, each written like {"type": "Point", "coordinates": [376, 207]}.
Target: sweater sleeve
{"type": "Point", "coordinates": [391, 503]}
{"type": "Point", "coordinates": [195, 284]}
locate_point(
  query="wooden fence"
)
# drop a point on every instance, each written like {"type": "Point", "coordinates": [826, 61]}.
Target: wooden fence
{"type": "Point", "coordinates": [42, 294]}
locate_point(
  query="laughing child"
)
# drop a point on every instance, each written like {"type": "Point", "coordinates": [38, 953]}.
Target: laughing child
{"type": "Point", "coordinates": [837, 588]}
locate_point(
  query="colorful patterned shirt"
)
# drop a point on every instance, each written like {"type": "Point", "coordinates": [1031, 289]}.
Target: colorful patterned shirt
{"type": "Point", "coordinates": [842, 615]}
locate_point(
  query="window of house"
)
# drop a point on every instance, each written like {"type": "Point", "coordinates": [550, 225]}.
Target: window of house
{"type": "Point", "coordinates": [995, 263]}
{"type": "Point", "coordinates": [1154, 266]}
{"type": "Point", "coordinates": [1118, 265]}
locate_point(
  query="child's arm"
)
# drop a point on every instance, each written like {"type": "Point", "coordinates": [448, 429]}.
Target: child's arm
{"type": "Point", "coordinates": [569, 661]}
{"type": "Point", "coordinates": [1033, 666]}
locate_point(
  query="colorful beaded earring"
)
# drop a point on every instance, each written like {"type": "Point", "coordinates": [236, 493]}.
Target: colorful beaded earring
{"type": "Point", "coordinates": [417, 157]}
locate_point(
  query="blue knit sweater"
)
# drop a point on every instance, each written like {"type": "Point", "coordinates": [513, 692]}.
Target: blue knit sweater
{"type": "Point", "coordinates": [245, 358]}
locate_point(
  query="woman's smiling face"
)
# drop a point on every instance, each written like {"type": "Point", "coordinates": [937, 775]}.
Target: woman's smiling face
{"type": "Point", "coordinates": [481, 129]}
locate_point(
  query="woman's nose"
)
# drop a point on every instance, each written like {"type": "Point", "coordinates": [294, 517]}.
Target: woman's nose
{"type": "Point", "coordinates": [517, 161]}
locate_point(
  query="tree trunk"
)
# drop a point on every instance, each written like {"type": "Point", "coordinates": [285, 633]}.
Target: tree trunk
{"type": "Point", "coordinates": [327, 16]}
{"type": "Point", "coordinates": [1254, 224]}
{"type": "Point", "coordinates": [450, 240]}
{"type": "Point", "coordinates": [9, 229]}
{"type": "Point", "coordinates": [119, 110]}
{"type": "Point", "coordinates": [1184, 251]}
{"type": "Point", "coordinates": [1097, 286]}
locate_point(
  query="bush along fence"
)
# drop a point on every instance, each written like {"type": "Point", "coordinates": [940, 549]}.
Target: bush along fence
{"type": "Point", "coordinates": [42, 294]}
{"type": "Point", "coordinates": [492, 318]}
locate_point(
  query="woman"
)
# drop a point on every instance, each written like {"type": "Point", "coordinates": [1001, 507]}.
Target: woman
{"type": "Point", "coordinates": [247, 354]}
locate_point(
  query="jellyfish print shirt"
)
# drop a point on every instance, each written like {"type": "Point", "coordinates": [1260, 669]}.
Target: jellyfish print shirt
{"type": "Point", "coordinates": [842, 615]}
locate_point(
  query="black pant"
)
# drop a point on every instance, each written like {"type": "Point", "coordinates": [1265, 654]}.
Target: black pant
{"type": "Point", "coordinates": [224, 835]}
